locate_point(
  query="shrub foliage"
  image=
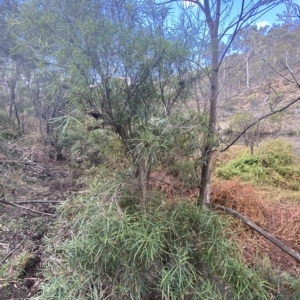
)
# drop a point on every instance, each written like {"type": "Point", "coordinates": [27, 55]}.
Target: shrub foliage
{"type": "Point", "coordinates": [166, 252]}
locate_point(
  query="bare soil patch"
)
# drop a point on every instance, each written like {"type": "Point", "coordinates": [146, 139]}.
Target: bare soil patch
{"type": "Point", "coordinates": [38, 184]}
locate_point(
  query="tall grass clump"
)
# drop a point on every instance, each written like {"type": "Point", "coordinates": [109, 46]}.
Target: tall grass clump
{"type": "Point", "coordinates": [274, 163]}
{"type": "Point", "coordinates": [163, 252]}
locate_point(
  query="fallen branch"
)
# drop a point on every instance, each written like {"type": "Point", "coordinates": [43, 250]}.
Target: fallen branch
{"type": "Point", "coordinates": [11, 252]}
{"type": "Point", "coordinates": [35, 201]}
{"type": "Point", "coordinates": [12, 162]}
{"type": "Point", "coordinates": [23, 207]}
{"type": "Point", "coordinates": [22, 162]}
{"type": "Point", "coordinates": [17, 162]}
{"type": "Point", "coordinates": [271, 238]}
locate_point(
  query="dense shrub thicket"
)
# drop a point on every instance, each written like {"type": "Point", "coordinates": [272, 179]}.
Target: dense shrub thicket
{"type": "Point", "coordinates": [166, 252]}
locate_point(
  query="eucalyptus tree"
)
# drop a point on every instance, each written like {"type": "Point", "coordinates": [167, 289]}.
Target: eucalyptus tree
{"type": "Point", "coordinates": [120, 63]}
{"type": "Point", "coordinates": [10, 62]}
{"type": "Point", "coordinates": [8, 8]}
{"type": "Point", "coordinates": [223, 20]}
{"type": "Point", "coordinates": [292, 13]}
{"type": "Point", "coordinates": [244, 44]}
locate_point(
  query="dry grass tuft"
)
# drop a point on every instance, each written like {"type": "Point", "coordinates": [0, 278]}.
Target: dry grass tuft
{"type": "Point", "coordinates": [166, 184]}
{"type": "Point", "coordinates": [30, 147]}
{"type": "Point", "coordinates": [270, 208]}
{"type": "Point", "coordinates": [170, 186]}
{"type": "Point", "coordinates": [282, 220]}
{"type": "Point", "coordinates": [241, 197]}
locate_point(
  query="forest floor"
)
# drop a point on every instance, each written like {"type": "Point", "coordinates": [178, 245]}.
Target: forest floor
{"type": "Point", "coordinates": [37, 184]}
{"type": "Point", "coordinates": [29, 179]}
{"type": "Point", "coordinates": [274, 209]}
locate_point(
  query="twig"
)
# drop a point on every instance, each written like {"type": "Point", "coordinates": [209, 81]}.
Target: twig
{"type": "Point", "coordinates": [12, 161]}
{"type": "Point", "coordinates": [168, 183]}
{"type": "Point", "coordinates": [23, 207]}
{"type": "Point", "coordinates": [11, 252]}
{"type": "Point", "coordinates": [35, 201]}
{"type": "Point", "coordinates": [18, 162]}
{"type": "Point", "coordinates": [21, 162]}
{"type": "Point", "coordinates": [271, 238]}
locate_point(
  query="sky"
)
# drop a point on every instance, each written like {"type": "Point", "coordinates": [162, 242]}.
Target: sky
{"type": "Point", "coordinates": [269, 18]}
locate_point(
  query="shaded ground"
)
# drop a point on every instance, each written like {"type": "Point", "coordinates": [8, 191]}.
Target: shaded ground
{"type": "Point", "coordinates": [27, 179]}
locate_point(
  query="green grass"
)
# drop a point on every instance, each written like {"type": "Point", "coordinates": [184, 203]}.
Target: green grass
{"type": "Point", "coordinates": [286, 285]}
{"type": "Point", "coordinates": [8, 128]}
{"type": "Point", "coordinates": [274, 163]}
{"type": "Point", "coordinates": [13, 269]}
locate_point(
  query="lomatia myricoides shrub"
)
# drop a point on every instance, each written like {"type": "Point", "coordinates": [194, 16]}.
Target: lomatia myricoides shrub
{"type": "Point", "coordinates": [165, 252]}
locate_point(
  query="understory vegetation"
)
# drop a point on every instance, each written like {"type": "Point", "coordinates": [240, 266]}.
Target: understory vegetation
{"type": "Point", "coordinates": [273, 163]}
{"type": "Point", "coordinates": [175, 251]}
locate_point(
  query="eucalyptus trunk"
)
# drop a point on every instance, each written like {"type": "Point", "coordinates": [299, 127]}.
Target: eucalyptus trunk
{"type": "Point", "coordinates": [13, 86]}
{"type": "Point", "coordinates": [213, 26]}
{"type": "Point", "coordinates": [142, 178]}
{"type": "Point", "coordinates": [210, 137]}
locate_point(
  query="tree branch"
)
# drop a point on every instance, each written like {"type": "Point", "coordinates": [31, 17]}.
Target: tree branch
{"type": "Point", "coordinates": [258, 120]}
{"type": "Point", "coordinates": [35, 201]}
{"type": "Point", "coordinates": [3, 201]}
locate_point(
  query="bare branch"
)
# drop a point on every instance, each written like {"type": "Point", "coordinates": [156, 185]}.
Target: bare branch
{"type": "Point", "coordinates": [258, 120]}
{"type": "Point", "coordinates": [3, 201]}
{"type": "Point", "coordinates": [35, 201]}
{"type": "Point", "coordinates": [291, 72]}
